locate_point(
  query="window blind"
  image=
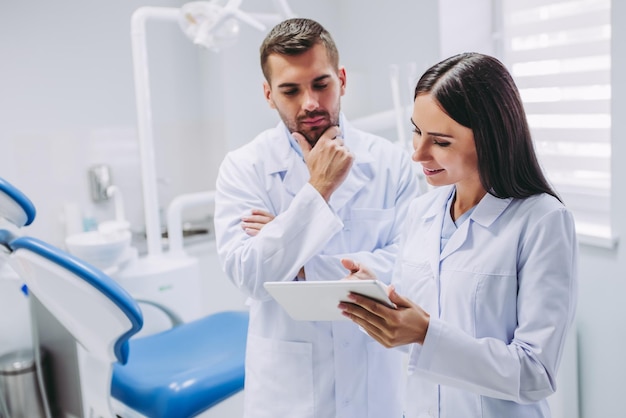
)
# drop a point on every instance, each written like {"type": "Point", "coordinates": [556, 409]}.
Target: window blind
{"type": "Point", "coordinates": [559, 55]}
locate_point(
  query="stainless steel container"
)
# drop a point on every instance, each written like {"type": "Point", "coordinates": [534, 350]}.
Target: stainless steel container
{"type": "Point", "coordinates": [18, 385]}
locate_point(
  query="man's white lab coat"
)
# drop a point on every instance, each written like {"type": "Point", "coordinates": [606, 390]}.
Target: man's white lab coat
{"type": "Point", "coordinates": [313, 369]}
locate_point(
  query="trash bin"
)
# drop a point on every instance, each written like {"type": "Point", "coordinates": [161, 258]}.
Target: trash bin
{"type": "Point", "coordinates": [19, 388]}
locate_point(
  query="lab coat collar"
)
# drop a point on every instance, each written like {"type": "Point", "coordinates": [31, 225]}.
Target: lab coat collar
{"type": "Point", "coordinates": [294, 144]}
{"type": "Point", "coordinates": [285, 158]}
{"type": "Point", "coordinates": [487, 211]}
{"type": "Point", "coordinates": [362, 171]}
{"type": "Point", "coordinates": [280, 157]}
{"type": "Point", "coordinates": [287, 148]}
{"type": "Point", "coordinates": [351, 138]}
{"type": "Point", "coordinates": [438, 206]}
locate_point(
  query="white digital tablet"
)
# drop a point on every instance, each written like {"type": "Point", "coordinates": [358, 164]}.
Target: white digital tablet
{"type": "Point", "coordinates": [317, 301]}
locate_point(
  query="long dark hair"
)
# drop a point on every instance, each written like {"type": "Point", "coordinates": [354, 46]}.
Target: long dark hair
{"type": "Point", "coordinates": [478, 92]}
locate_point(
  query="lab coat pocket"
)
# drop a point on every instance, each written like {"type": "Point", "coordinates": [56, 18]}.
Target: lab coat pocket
{"type": "Point", "coordinates": [279, 379]}
{"type": "Point", "coordinates": [370, 228]}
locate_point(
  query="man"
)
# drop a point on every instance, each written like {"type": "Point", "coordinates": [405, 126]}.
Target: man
{"type": "Point", "coordinates": [289, 206]}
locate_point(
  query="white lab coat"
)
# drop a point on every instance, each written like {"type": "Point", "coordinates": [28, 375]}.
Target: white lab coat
{"type": "Point", "coordinates": [313, 369]}
{"type": "Point", "coordinates": [501, 297]}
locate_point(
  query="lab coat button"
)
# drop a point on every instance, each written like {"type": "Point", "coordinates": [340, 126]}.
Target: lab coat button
{"type": "Point", "coordinates": [345, 344]}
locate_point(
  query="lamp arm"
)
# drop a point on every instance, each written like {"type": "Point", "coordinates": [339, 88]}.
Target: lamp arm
{"type": "Point", "coordinates": [144, 118]}
{"type": "Point", "coordinates": [143, 102]}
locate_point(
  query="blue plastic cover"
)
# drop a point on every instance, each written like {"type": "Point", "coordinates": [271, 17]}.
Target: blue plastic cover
{"type": "Point", "coordinates": [20, 198]}
{"type": "Point", "coordinates": [94, 277]}
{"type": "Point", "coordinates": [185, 370]}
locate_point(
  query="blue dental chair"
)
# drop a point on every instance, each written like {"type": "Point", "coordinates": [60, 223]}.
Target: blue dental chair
{"type": "Point", "coordinates": [179, 373]}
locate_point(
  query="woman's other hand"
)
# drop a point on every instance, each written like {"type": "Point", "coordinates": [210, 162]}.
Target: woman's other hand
{"type": "Point", "coordinates": [406, 324]}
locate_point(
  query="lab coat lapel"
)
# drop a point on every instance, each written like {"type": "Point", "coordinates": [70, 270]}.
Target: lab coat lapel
{"type": "Point", "coordinates": [284, 159]}
{"type": "Point", "coordinates": [487, 211]}
{"type": "Point", "coordinates": [296, 175]}
{"type": "Point", "coordinates": [456, 240]}
{"type": "Point", "coordinates": [356, 180]}
{"type": "Point", "coordinates": [295, 172]}
{"type": "Point", "coordinates": [361, 172]}
{"type": "Point", "coordinates": [432, 222]}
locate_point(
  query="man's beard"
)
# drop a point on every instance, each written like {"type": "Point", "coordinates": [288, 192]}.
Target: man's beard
{"type": "Point", "coordinates": [313, 135]}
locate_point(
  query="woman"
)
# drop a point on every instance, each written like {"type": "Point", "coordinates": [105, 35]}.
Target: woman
{"type": "Point", "coordinates": [488, 260]}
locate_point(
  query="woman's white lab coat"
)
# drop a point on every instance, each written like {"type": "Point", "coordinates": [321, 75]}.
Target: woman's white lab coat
{"type": "Point", "coordinates": [313, 369]}
{"type": "Point", "coordinates": [501, 297]}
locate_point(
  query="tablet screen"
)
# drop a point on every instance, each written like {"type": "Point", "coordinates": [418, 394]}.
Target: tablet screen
{"type": "Point", "coordinates": [317, 301]}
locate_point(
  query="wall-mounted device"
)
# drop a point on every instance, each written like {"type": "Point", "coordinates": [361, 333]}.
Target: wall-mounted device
{"type": "Point", "coordinates": [99, 181]}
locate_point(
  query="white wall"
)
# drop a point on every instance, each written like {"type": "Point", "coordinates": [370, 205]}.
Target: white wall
{"type": "Point", "coordinates": [67, 102]}
{"type": "Point", "coordinates": [67, 94]}
{"type": "Point", "coordinates": [466, 27]}
{"type": "Point", "coordinates": [601, 313]}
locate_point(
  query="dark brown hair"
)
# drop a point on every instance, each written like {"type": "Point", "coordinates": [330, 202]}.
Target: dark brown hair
{"type": "Point", "coordinates": [478, 92]}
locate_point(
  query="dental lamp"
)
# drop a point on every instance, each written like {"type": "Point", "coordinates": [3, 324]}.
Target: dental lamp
{"type": "Point", "coordinates": [170, 280]}
{"type": "Point", "coordinates": [211, 24]}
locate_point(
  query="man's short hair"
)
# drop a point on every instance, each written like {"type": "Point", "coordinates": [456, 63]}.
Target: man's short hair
{"type": "Point", "coordinates": [295, 37]}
